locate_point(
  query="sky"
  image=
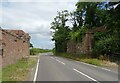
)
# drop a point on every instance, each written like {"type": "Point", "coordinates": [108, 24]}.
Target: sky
{"type": "Point", "coordinates": [33, 17]}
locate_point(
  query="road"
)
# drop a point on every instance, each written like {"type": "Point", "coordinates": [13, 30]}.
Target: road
{"type": "Point", "coordinates": [52, 68]}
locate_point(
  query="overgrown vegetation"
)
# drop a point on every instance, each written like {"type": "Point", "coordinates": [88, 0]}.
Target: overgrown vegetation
{"type": "Point", "coordinates": [83, 58]}
{"type": "Point", "coordinates": [18, 71]}
{"type": "Point", "coordinates": [0, 74]}
{"type": "Point", "coordinates": [78, 35]}
{"type": "Point", "coordinates": [34, 51]}
{"type": "Point", "coordinates": [89, 16]}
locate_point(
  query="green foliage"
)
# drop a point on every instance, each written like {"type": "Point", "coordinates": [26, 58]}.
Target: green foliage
{"type": "Point", "coordinates": [78, 35]}
{"type": "Point", "coordinates": [92, 61]}
{"type": "Point", "coordinates": [88, 16]}
{"type": "Point", "coordinates": [61, 31]}
{"type": "Point", "coordinates": [76, 20]}
{"type": "Point", "coordinates": [89, 12]}
{"type": "Point", "coordinates": [106, 44]}
{"type": "Point", "coordinates": [81, 58]}
{"type": "Point", "coordinates": [35, 51]}
{"type": "Point", "coordinates": [31, 45]}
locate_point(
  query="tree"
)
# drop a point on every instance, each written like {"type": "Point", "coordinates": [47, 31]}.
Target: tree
{"type": "Point", "coordinates": [89, 11]}
{"type": "Point", "coordinates": [108, 42]}
{"type": "Point", "coordinates": [76, 20]}
{"type": "Point", "coordinates": [61, 31]}
{"type": "Point", "coordinates": [31, 45]}
{"type": "Point", "coordinates": [88, 16]}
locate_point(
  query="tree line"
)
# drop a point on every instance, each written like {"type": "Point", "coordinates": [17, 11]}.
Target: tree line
{"type": "Point", "coordinates": [88, 16]}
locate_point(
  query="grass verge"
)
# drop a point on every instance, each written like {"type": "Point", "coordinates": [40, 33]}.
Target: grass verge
{"type": "Point", "coordinates": [18, 71]}
{"type": "Point", "coordinates": [81, 58]}
{"type": "Point", "coordinates": [35, 51]}
{"type": "Point", "coordinates": [0, 75]}
{"type": "Point", "coordinates": [92, 61]}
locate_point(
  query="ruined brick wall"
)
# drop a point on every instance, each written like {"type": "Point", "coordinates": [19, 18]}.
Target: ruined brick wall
{"type": "Point", "coordinates": [0, 48]}
{"type": "Point", "coordinates": [15, 45]}
{"type": "Point", "coordinates": [84, 47]}
{"type": "Point", "coordinates": [87, 42]}
{"type": "Point", "coordinates": [71, 47]}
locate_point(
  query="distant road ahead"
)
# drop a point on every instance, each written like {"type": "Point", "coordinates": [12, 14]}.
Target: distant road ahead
{"type": "Point", "coordinates": [52, 68]}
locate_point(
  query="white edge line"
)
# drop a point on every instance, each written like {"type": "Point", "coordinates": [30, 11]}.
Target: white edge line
{"type": "Point", "coordinates": [35, 76]}
{"type": "Point", "coordinates": [95, 66]}
{"type": "Point", "coordinates": [85, 75]}
{"type": "Point", "coordinates": [88, 64]}
{"type": "Point", "coordinates": [60, 61]}
{"type": "Point", "coordinates": [106, 69]}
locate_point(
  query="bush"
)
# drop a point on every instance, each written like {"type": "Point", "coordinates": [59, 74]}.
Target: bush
{"type": "Point", "coordinates": [35, 51]}
{"type": "Point", "coordinates": [105, 45]}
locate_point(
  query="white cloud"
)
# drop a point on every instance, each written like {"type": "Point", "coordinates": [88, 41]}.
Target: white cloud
{"type": "Point", "coordinates": [39, 1]}
{"type": "Point", "coordinates": [33, 17]}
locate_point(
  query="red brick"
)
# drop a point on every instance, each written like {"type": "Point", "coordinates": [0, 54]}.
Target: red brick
{"type": "Point", "coordinates": [15, 45]}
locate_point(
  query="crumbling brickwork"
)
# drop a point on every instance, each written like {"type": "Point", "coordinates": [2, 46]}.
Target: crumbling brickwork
{"type": "Point", "coordinates": [0, 48]}
{"type": "Point", "coordinates": [84, 47]}
{"type": "Point", "coordinates": [14, 46]}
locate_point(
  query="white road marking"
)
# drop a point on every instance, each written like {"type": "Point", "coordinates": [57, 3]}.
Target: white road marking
{"type": "Point", "coordinates": [85, 75]}
{"type": "Point", "coordinates": [106, 69]}
{"type": "Point", "coordinates": [35, 76]}
{"type": "Point", "coordinates": [60, 61]}
{"type": "Point", "coordinates": [52, 57]}
{"type": "Point", "coordinates": [94, 66]}
{"type": "Point", "coordinates": [88, 64]}
{"type": "Point", "coordinates": [58, 58]}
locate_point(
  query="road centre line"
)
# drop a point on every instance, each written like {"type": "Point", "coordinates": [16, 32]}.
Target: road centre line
{"type": "Point", "coordinates": [52, 57]}
{"type": "Point", "coordinates": [85, 75]}
{"type": "Point", "coordinates": [60, 61]}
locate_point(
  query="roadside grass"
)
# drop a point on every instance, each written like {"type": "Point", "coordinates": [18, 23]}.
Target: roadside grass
{"type": "Point", "coordinates": [0, 75]}
{"type": "Point", "coordinates": [19, 71]}
{"type": "Point", "coordinates": [92, 61]}
{"type": "Point", "coordinates": [81, 58]}
{"type": "Point", "coordinates": [35, 51]}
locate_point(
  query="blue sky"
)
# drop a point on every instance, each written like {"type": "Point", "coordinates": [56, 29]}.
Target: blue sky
{"type": "Point", "coordinates": [34, 17]}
